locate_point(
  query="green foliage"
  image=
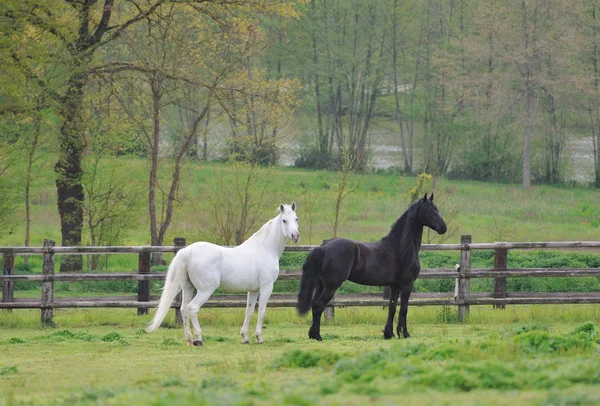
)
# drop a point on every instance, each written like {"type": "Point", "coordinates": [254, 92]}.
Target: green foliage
{"type": "Point", "coordinates": [313, 158]}
{"type": "Point", "coordinates": [466, 366]}
{"type": "Point", "coordinates": [417, 191]}
{"type": "Point", "coordinates": [74, 336]}
{"type": "Point", "coordinates": [305, 359]}
{"type": "Point", "coordinates": [9, 370]}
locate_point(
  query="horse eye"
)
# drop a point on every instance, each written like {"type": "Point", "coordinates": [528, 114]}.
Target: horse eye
{"type": "Point", "coordinates": [296, 219]}
{"type": "Point", "coordinates": [284, 221]}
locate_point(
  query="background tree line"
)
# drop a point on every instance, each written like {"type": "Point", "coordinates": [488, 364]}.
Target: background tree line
{"type": "Point", "coordinates": [487, 90]}
{"type": "Point", "coordinates": [483, 90]}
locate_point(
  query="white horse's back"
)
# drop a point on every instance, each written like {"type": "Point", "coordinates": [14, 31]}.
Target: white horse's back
{"type": "Point", "coordinates": [233, 269]}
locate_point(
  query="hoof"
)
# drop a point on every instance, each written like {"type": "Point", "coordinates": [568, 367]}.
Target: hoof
{"type": "Point", "coordinates": [387, 334]}
{"type": "Point", "coordinates": [313, 335]}
{"type": "Point", "coordinates": [197, 343]}
{"type": "Point", "coordinates": [245, 341]}
{"type": "Point", "coordinates": [403, 334]}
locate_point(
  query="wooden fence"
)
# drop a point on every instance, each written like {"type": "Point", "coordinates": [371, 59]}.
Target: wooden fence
{"type": "Point", "coordinates": [463, 297]}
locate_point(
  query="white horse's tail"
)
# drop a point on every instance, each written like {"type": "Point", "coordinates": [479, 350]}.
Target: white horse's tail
{"type": "Point", "coordinates": [173, 281]}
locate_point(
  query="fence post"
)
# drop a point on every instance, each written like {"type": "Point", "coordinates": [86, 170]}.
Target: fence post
{"type": "Point", "coordinates": [464, 283]}
{"type": "Point", "coordinates": [179, 243]}
{"type": "Point", "coordinates": [143, 286]}
{"type": "Point", "coordinates": [8, 266]}
{"type": "Point", "coordinates": [329, 312]}
{"type": "Point", "coordinates": [500, 264]}
{"type": "Point", "coordinates": [48, 283]}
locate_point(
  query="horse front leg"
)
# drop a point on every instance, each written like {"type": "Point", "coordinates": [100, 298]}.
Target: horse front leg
{"type": "Point", "coordinates": [405, 295]}
{"type": "Point", "coordinates": [263, 298]}
{"type": "Point", "coordinates": [251, 302]}
{"type": "Point", "coordinates": [388, 330]}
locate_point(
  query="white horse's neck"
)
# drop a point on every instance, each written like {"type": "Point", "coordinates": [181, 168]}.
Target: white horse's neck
{"type": "Point", "coordinates": [269, 236]}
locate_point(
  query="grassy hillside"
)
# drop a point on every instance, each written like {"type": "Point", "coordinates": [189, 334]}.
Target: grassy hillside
{"type": "Point", "coordinates": [489, 212]}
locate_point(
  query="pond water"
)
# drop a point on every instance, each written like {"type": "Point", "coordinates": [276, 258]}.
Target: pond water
{"type": "Point", "coordinates": [386, 152]}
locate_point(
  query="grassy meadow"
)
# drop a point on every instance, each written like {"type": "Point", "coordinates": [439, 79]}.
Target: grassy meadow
{"type": "Point", "coordinates": [530, 355]}
{"type": "Point", "coordinates": [489, 212]}
{"type": "Point", "coordinates": [523, 355]}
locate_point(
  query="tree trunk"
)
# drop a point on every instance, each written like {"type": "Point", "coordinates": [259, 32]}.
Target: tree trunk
{"type": "Point", "coordinates": [407, 167]}
{"type": "Point", "coordinates": [69, 172]}
{"type": "Point", "coordinates": [153, 179]}
{"type": "Point", "coordinates": [30, 160]}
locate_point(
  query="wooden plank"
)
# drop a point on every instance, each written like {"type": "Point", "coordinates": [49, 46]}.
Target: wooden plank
{"type": "Point", "coordinates": [47, 309]}
{"type": "Point", "coordinates": [290, 303]}
{"type": "Point", "coordinates": [179, 244]}
{"type": "Point", "coordinates": [500, 264]}
{"type": "Point", "coordinates": [143, 285]}
{"type": "Point", "coordinates": [464, 284]}
{"type": "Point", "coordinates": [295, 275]}
{"type": "Point", "coordinates": [351, 296]}
{"type": "Point", "coordinates": [305, 248]}
{"type": "Point", "coordinates": [8, 267]}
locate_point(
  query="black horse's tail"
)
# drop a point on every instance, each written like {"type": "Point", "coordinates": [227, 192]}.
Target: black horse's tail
{"type": "Point", "coordinates": [310, 277]}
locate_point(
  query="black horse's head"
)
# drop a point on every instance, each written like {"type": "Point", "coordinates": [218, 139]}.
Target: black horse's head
{"type": "Point", "coordinates": [428, 215]}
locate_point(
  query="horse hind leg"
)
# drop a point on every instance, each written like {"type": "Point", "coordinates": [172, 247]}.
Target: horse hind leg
{"type": "Point", "coordinates": [402, 328]}
{"type": "Point", "coordinates": [317, 310]}
{"type": "Point", "coordinates": [265, 294]}
{"type": "Point", "coordinates": [251, 302]}
{"type": "Point", "coordinates": [193, 308]}
{"type": "Point", "coordinates": [187, 293]}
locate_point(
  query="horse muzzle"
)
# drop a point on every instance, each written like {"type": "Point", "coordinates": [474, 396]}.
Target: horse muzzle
{"type": "Point", "coordinates": [442, 229]}
{"type": "Point", "coordinates": [295, 237]}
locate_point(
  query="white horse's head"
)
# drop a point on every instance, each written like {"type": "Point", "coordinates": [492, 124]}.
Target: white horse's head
{"type": "Point", "coordinates": [289, 221]}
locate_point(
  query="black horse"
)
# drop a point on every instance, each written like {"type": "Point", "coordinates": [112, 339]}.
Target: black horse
{"type": "Point", "coordinates": [393, 261]}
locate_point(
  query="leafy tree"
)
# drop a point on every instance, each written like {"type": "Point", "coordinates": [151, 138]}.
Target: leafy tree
{"type": "Point", "coordinates": [70, 37]}
{"type": "Point", "coordinates": [342, 64]}
{"type": "Point", "coordinates": [237, 196]}
{"type": "Point", "coordinates": [111, 195]}
{"type": "Point", "coordinates": [66, 35]}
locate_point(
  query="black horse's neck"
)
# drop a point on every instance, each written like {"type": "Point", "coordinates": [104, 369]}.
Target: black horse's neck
{"type": "Point", "coordinates": [406, 233]}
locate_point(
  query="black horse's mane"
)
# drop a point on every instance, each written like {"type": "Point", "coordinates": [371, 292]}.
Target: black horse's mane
{"type": "Point", "coordinates": [402, 234]}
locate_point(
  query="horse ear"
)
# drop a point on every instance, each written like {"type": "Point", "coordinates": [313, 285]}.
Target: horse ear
{"type": "Point", "coordinates": [281, 208]}
{"type": "Point", "coordinates": [293, 206]}
{"type": "Point", "coordinates": [431, 198]}
{"type": "Point", "coordinates": [425, 197]}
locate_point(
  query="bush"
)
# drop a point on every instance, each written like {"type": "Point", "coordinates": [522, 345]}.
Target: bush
{"type": "Point", "coordinates": [311, 157]}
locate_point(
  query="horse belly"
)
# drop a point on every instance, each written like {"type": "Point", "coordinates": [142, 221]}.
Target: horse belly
{"type": "Point", "coordinates": [246, 274]}
{"type": "Point", "coordinates": [239, 282]}
{"type": "Point", "coordinates": [370, 279]}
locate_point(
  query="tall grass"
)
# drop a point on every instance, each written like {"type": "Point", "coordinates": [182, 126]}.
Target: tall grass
{"type": "Point", "coordinates": [287, 317]}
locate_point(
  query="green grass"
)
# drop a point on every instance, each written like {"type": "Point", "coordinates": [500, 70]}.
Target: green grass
{"type": "Point", "coordinates": [487, 211]}
{"type": "Point", "coordinates": [521, 355]}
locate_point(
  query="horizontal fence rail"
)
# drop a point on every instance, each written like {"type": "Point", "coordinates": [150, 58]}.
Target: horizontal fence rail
{"type": "Point", "coordinates": [462, 297]}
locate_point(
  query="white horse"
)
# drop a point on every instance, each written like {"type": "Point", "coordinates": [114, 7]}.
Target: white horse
{"type": "Point", "coordinates": [250, 267]}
